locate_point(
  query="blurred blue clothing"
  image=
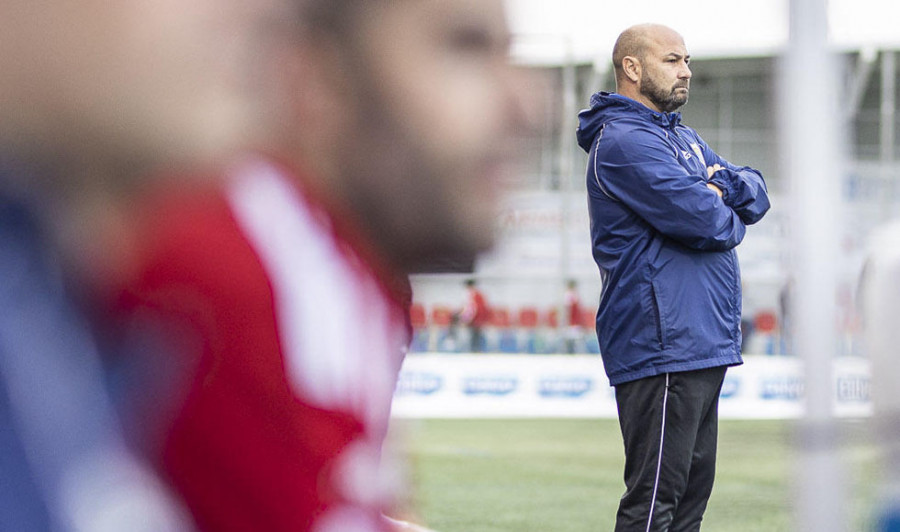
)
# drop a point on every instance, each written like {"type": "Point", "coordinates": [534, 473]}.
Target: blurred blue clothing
{"type": "Point", "coordinates": [663, 241]}
{"type": "Point", "coordinates": [64, 464]}
{"type": "Point", "coordinates": [21, 504]}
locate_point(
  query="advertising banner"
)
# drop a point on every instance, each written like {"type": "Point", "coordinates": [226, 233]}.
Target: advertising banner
{"type": "Point", "coordinates": [509, 386]}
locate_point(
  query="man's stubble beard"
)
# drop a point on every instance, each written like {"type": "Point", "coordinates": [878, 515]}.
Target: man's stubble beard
{"type": "Point", "coordinates": [666, 100]}
{"type": "Point", "coordinates": [395, 187]}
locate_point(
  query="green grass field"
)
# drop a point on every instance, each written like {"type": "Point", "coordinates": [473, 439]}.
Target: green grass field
{"type": "Point", "coordinates": [565, 475]}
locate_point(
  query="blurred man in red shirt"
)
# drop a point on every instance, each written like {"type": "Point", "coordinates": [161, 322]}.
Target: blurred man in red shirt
{"type": "Point", "coordinates": [385, 130]}
{"type": "Point", "coordinates": [94, 97]}
{"type": "Point", "coordinates": [475, 315]}
{"type": "Point", "coordinates": [574, 331]}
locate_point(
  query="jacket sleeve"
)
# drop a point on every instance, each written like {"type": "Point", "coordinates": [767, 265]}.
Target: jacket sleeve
{"type": "Point", "coordinates": [743, 188]}
{"type": "Point", "coordinates": [637, 167]}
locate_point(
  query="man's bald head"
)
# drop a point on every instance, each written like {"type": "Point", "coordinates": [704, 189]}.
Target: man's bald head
{"type": "Point", "coordinates": [636, 41]}
{"type": "Point", "coordinates": [651, 63]}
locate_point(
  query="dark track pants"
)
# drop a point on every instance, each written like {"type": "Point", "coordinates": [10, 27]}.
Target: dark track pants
{"type": "Point", "coordinates": [670, 426]}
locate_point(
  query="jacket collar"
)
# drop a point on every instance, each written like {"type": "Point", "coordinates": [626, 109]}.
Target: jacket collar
{"type": "Point", "coordinates": [666, 120]}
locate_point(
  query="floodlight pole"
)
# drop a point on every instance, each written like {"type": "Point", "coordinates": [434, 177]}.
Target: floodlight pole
{"type": "Point", "coordinates": [812, 156]}
{"type": "Point", "coordinates": [888, 106]}
{"type": "Point", "coordinates": [567, 176]}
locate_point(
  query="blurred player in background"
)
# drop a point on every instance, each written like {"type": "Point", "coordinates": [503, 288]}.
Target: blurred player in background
{"type": "Point", "coordinates": [93, 95]}
{"type": "Point", "coordinates": [385, 130]}
{"type": "Point", "coordinates": [573, 333]}
{"type": "Point", "coordinates": [666, 214]}
{"type": "Point", "coordinates": [475, 315]}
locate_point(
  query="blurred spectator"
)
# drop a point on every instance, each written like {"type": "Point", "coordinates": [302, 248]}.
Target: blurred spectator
{"type": "Point", "coordinates": [765, 325]}
{"type": "Point", "coordinates": [530, 341]}
{"type": "Point", "coordinates": [444, 330]}
{"type": "Point", "coordinates": [588, 323]}
{"type": "Point", "coordinates": [506, 335]}
{"type": "Point", "coordinates": [419, 322]}
{"type": "Point", "coordinates": [784, 308]}
{"type": "Point", "coordinates": [574, 332]}
{"type": "Point", "coordinates": [748, 332]}
{"type": "Point", "coordinates": [550, 332]}
{"type": "Point", "coordinates": [92, 96]}
{"type": "Point", "coordinates": [475, 315]}
{"type": "Point", "coordinates": [386, 128]}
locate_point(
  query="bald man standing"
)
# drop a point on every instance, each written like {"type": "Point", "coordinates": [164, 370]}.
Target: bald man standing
{"type": "Point", "coordinates": [666, 214]}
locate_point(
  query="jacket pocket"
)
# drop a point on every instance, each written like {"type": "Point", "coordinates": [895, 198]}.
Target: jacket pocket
{"type": "Point", "coordinates": [658, 317]}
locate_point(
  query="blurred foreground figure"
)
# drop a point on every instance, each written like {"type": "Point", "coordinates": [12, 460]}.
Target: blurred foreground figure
{"type": "Point", "coordinates": [93, 94]}
{"type": "Point", "coordinates": [666, 214]}
{"type": "Point", "coordinates": [881, 308]}
{"type": "Point", "coordinates": [385, 131]}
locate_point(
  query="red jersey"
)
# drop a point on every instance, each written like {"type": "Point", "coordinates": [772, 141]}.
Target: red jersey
{"type": "Point", "coordinates": [573, 308]}
{"type": "Point", "coordinates": [476, 312]}
{"type": "Point", "coordinates": [297, 340]}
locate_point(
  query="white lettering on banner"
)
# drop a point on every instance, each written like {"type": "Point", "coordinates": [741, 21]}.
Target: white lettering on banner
{"type": "Point", "coordinates": [480, 386]}
{"type": "Point", "coordinates": [782, 387]}
{"type": "Point", "coordinates": [565, 386]}
{"type": "Point", "coordinates": [534, 213]}
{"type": "Point", "coordinates": [490, 385]}
{"type": "Point", "coordinates": [532, 227]}
{"type": "Point", "coordinates": [853, 388]}
{"type": "Point", "coordinates": [418, 383]}
{"type": "Point", "coordinates": [531, 220]}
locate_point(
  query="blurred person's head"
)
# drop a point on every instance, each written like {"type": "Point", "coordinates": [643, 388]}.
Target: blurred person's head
{"type": "Point", "coordinates": [95, 90]}
{"type": "Point", "coordinates": [407, 113]}
{"type": "Point", "coordinates": [651, 65]}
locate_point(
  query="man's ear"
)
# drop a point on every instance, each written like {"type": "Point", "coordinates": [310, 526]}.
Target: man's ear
{"type": "Point", "coordinates": [632, 68]}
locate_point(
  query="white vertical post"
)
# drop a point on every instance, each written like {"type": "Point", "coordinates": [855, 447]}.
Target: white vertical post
{"type": "Point", "coordinates": [811, 149]}
{"type": "Point", "coordinates": [725, 132]}
{"type": "Point", "coordinates": [886, 134]}
{"type": "Point", "coordinates": [888, 106]}
{"type": "Point", "coordinates": [566, 170]}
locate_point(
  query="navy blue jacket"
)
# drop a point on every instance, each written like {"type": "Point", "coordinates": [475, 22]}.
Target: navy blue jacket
{"type": "Point", "coordinates": [664, 241]}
